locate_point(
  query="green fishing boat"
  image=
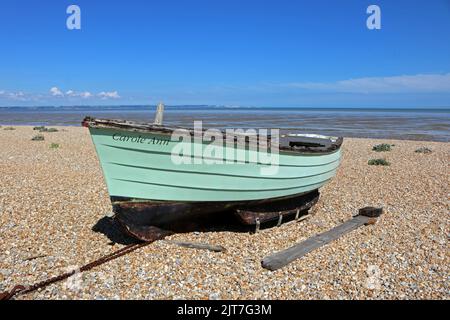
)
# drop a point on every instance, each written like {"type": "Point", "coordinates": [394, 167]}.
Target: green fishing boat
{"type": "Point", "coordinates": [162, 176]}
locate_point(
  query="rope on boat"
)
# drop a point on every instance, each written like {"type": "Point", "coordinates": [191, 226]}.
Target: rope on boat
{"type": "Point", "coordinates": [20, 290]}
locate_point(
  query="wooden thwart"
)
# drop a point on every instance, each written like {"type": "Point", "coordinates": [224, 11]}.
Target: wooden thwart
{"type": "Point", "coordinates": [280, 259]}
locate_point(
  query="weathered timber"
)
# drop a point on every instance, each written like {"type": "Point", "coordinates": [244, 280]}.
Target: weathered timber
{"type": "Point", "coordinates": [35, 257]}
{"type": "Point", "coordinates": [280, 259]}
{"type": "Point", "coordinates": [277, 209]}
{"type": "Point", "coordinates": [194, 245]}
{"type": "Point", "coordinates": [159, 115]}
{"type": "Point", "coordinates": [138, 216]}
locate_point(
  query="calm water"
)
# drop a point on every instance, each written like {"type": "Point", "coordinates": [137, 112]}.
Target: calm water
{"type": "Point", "coordinates": [413, 124]}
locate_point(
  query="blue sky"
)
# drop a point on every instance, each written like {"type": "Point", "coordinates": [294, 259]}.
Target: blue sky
{"type": "Point", "coordinates": [251, 53]}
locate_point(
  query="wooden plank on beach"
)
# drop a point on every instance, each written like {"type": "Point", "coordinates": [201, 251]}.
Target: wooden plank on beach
{"type": "Point", "coordinates": [282, 258]}
{"type": "Point", "coordinates": [194, 245]}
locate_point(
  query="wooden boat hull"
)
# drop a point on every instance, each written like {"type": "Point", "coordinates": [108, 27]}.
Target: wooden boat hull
{"type": "Point", "coordinates": [139, 166]}
{"type": "Point", "coordinates": [149, 189]}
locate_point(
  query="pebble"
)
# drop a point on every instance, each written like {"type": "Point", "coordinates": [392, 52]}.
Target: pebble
{"type": "Point", "coordinates": [214, 296]}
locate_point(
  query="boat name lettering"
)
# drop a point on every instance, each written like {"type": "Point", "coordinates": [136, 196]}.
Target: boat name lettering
{"type": "Point", "coordinates": [140, 139]}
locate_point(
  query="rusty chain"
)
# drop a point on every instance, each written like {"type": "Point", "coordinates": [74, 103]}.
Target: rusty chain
{"type": "Point", "coordinates": [19, 289]}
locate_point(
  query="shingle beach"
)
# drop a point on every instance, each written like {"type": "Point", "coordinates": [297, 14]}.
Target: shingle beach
{"type": "Point", "coordinates": [53, 203]}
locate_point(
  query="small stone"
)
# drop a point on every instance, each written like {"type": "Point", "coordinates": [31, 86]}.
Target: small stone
{"type": "Point", "coordinates": [214, 296]}
{"type": "Point", "coordinates": [5, 272]}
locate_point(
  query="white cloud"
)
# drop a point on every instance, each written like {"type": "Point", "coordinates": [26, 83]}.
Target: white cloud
{"type": "Point", "coordinates": [17, 96]}
{"type": "Point", "coordinates": [109, 95]}
{"type": "Point", "coordinates": [54, 91]}
{"type": "Point", "coordinates": [420, 83]}
{"type": "Point", "coordinates": [84, 95]}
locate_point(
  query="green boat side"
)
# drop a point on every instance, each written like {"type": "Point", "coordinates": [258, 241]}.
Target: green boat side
{"type": "Point", "coordinates": [138, 162]}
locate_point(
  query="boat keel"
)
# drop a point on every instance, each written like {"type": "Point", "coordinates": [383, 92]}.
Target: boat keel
{"type": "Point", "coordinates": [148, 220]}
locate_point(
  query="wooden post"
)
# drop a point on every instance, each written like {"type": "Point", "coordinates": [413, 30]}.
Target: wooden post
{"type": "Point", "coordinates": [159, 114]}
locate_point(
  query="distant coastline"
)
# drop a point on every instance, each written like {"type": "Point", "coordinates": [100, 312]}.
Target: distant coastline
{"type": "Point", "coordinates": [203, 107]}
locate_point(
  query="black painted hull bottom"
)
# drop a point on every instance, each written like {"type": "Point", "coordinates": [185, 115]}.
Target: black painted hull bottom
{"type": "Point", "coordinates": [142, 219]}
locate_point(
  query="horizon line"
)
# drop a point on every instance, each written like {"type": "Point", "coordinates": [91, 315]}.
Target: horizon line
{"type": "Point", "coordinates": [220, 106]}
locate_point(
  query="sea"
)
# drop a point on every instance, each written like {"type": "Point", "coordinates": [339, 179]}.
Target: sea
{"type": "Point", "coordinates": [428, 124]}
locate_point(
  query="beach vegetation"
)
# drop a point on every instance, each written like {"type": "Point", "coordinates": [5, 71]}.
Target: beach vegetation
{"type": "Point", "coordinates": [38, 137]}
{"type": "Point", "coordinates": [45, 129]}
{"type": "Point", "coordinates": [54, 145]}
{"type": "Point", "coordinates": [424, 150]}
{"type": "Point", "coordinates": [378, 162]}
{"type": "Point", "coordinates": [9, 128]}
{"type": "Point", "coordinates": [382, 147]}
